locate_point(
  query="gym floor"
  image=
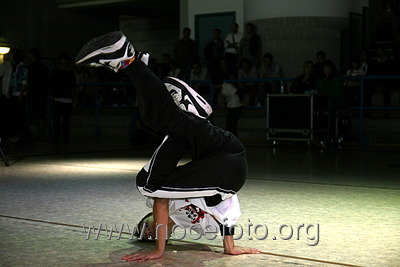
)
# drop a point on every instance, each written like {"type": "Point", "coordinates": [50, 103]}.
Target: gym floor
{"type": "Point", "coordinates": [320, 207]}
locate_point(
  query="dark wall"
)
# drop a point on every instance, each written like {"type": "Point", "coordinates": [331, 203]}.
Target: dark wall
{"type": "Point", "coordinates": [40, 23]}
{"type": "Point", "coordinates": [153, 35]}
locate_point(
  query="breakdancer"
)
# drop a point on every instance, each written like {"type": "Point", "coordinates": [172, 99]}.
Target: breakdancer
{"type": "Point", "coordinates": [218, 167]}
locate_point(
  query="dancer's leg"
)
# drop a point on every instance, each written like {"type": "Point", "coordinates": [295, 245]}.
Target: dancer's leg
{"type": "Point", "coordinates": [219, 166]}
{"type": "Point", "coordinates": [219, 163]}
{"type": "Point", "coordinates": [221, 174]}
{"type": "Point", "coordinates": [157, 107]}
{"type": "Point", "coordinates": [161, 165]}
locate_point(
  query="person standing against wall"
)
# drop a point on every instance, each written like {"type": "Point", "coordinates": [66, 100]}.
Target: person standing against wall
{"type": "Point", "coordinates": [38, 84]}
{"type": "Point", "coordinates": [63, 82]}
{"type": "Point", "coordinates": [250, 45]}
{"type": "Point", "coordinates": [231, 44]}
{"type": "Point", "coordinates": [186, 52]}
{"type": "Point", "coordinates": [213, 51]}
{"type": "Point", "coordinates": [15, 87]}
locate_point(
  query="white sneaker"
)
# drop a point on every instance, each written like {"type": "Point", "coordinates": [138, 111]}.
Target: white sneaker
{"type": "Point", "coordinates": [186, 98]}
{"type": "Point", "coordinates": [111, 50]}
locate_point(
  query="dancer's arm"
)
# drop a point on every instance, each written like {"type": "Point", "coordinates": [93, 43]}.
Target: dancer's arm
{"type": "Point", "coordinates": [160, 213]}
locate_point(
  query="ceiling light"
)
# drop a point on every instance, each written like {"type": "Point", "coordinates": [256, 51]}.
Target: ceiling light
{"type": "Point", "coordinates": [4, 50]}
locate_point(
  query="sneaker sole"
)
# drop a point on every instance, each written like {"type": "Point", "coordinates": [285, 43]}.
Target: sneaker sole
{"type": "Point", "coordinates": [105, 44]}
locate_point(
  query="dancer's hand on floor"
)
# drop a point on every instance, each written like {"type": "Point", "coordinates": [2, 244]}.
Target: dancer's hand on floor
{"type": "Point", "coordinates": [144, 255]}
{"type": "Point", "coordinates": [230, 248]}
{"type": "Point", "coordinates": [242, 250]}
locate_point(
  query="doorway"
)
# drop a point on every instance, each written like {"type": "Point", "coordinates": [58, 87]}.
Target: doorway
{"type": "Point", "coordinates": [204, 25]}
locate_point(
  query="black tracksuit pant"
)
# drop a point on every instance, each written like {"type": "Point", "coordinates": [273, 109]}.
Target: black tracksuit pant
{"type": "Point", "coordinates": [218, 167]}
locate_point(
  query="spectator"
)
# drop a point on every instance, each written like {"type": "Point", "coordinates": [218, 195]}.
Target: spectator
{"type": "Point", "coordinates": [213, 51]}
{"type": "Point", "coordinates": [387, 29]}
{"type": "Point", "coordinates": [63, 82]}
{"type": "Point", "coordinates": [15, 86]}
{"type": "Point", "coordinates": [234, 106]}
{"type": "Point", "coordinates": [305, 83]}
{"type": "Point", "coordinates": [352, 87]}
{"type": "Point", "coordinates": [38, 87]}
{"type": "Point", "coordinates": [174, 70]}
{"type": "Point", "coordinates": [186, 52]}
{"type": "Point", "coordinates": [223, 73]}
{"type": "Point", "coordinates": [231, 44]}
{"type": "Point", "coordinates": [200, 73]}
{"type": "Point", "coordinates": [384, 65]}
{"type": "Point", "coordinates": [6, 114]}
{"type": "Point", "coordinates": [249, 89]}
{"type": "Point", "coordinates": [368, 84]}
{"type": "Point", "coordinates": [331, 86]}
{"type": "Point", "coordinates": [319, 65]}
{"type": "Point", "coordinates": [250, 45]}
{"type": "Point", "coordinates": [269, 69]}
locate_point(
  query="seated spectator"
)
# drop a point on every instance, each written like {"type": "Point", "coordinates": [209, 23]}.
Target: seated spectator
{"type": "Point", "coordinates": [305, 83]}
{"type": "Point", "coordinates": [224, 72]}
{"type": "Point", "coordinates": [352, 87]}
{"type": "Point", "coordinates": [174, 70]}
{"type": "Point", "coordinates": [269, 69]}
{"type": "Point", "coordinates": [199, 73]}
{"type": "Point", "coordinates": [249, 89]}
{"type": "Point", "coordinates": [384, 65]}
{"type": "Point", "coordinates": [331, 84]}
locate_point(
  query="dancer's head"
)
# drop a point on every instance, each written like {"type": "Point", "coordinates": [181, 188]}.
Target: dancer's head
{"type": "Point", "coordinates": [146, 225]}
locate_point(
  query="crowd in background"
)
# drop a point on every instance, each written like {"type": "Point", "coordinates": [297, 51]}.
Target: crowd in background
{"type": "Point", "coordinates": [235, 70]}
{"type": "Point", "coordinates": [27, 87]}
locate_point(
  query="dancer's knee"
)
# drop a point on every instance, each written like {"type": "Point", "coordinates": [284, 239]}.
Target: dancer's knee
{"type": "Point", "coordinates": [141, 177]}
